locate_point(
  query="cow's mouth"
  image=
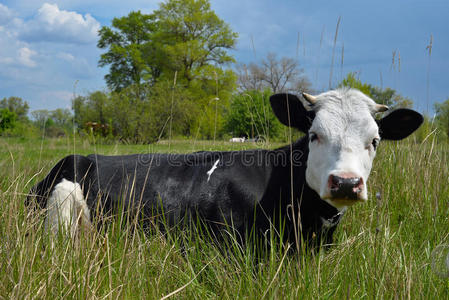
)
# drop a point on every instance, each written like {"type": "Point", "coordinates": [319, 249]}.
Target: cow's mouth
{"type": "Point", "coordinates": [345, 201]}
{"type": "Point", "coordinates": [341, 202]}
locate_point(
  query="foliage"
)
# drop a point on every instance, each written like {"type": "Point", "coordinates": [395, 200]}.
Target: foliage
{"type": "Point", "coordinates": [165, 110]}
{"type": "Point", "coordinates": [250, 115]}
{"type": "Point", "coordinates": [16, 105]}
{"type": "Point", "coordinates": [129, 51]}
{"type": "Point", "coordinates": [55, 123]}
{"type": "Point", "coordinates": [165, 70]}
{"type": "Point", "coordinates": [40, 116]}
{"type": "Point", "coordinates": [385, 96]}
{"type": "Point", "coordinates": [62, 117]}
{"type": "Point", "coordinates": [183, 37]}
{"type": "Point", "coordinates": [8, 119]}
{"type": "Point", "coordinates": [390, 98]}
{"type": "Point", "coordinates": [210, 96]}
{"type": "Point", "coordinates": [190, 38]}
{"type": "Point", "coordinates": [352, 81]}
{"type": "Point", "coordinates": [442, 116]}
{"type": "Point", "coordinates": [278, 75]}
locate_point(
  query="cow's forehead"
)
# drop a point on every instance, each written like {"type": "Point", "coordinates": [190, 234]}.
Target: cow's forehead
{"type": "Point", "coordinates": [344, 110]}
{"type": "Point", "coordinates": [346, 101]}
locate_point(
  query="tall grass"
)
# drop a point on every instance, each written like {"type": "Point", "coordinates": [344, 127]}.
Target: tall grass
{"type": "Point", "coordinates": [382, 248]}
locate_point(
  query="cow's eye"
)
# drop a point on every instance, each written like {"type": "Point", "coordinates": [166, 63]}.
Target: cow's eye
{"type": "Point", "coordinates": [313, 136]}
{"type": "Point", "coordinates": [375, 143]}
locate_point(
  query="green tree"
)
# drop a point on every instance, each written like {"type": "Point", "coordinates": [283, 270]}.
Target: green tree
{"type": "Point", "coordinates": [385, 96]}
{"type": "Point", "coordinates": [442, 116]}
{"type": "Point", "coordinates": [250, 115]}
{"type": "Point", "coordinates": [138, 120]}
{"type": "Point", "coordinates": [191, 37]}
{"type": "Point", "coordinates": [352, 81]}
{"type": "Point", "coordinates": [129, 51]}
{"type": "Point", "coordinates": [40, 117]}
{"type": "Point", "coordinates": [182, 36]}
{"type": "Point", "coordinates": [390, 98]}
{"type": "Point", "coordinates": [62, 117]}
{"type": "Point", "coordinates": [16, 105]}
{"type": "Point", "coordinates": [91, 108]}
{"type": "Point", "coordinates": [7, 119]}
{"type": "Point", "coordinates": [181, 47]}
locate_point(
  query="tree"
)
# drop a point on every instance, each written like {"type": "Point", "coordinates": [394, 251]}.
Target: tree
{"type": "Point", "coordinates": [40, 117]}
{"type": "Point", "coordinates": [390, 98]}
{"type": "Point", "coordinates": [91, 108]}
{"type": "Point", "coordinates": [137, 120]}
{"type": "Point", "coordinates": [191, 37]}
{"type": "Point", "coordinates": [129, 51]}
{"type": "Point", "coordinates": [385, 96]}
{"type": "Point", "coordinates": [250, 77]}
{"type": "Point", "coordinates": [278, 75]}
{"type": "Point", "coordinates": [7, 119]}
{"type": "Point", "coordinates": [442, 116]}
{"type": "Point", "coordinates": [250, 115]}
{"type": "Point", "coordinates": [16, 105]}
{"type": "Point", "coordinates": [182, 48]}
{"type": "Point", "coordinates": [352, 81]}
{"type": "Point", "coordinates": [62, 117]}
{"type": "Point", "coordinates": [182, 36]}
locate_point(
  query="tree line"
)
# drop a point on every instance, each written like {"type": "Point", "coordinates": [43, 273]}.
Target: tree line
{"type": "Point", "coordinates": [171, 73]}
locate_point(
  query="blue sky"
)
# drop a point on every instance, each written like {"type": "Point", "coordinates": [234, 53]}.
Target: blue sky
{"type": "Point", "coordinates": [48, 49]}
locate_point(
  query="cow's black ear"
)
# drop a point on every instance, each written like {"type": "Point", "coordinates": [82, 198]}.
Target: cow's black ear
{"type": "Point", "coordinates": [399, 124]}
{"type": "Point", "coordinates": [291, 112]}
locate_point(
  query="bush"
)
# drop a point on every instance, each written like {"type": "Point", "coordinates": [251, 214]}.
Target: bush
{"type": "Point", "coordinates": [7, 119]}
{"type": "Point", "coordinates": [250, 115]}
{"type": "Point", "coordinates": [161, 110]}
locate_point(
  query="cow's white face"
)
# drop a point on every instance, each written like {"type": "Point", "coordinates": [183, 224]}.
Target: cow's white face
{"type": "Point", "coordinates": [343, 139]}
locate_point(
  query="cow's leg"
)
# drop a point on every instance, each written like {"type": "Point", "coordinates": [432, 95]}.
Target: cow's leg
{"type": "Point", "coordinates": [67, 209]}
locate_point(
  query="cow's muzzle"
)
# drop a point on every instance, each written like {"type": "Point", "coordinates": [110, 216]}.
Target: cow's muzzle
{"type": "Point", "coordinates": [345, 187]}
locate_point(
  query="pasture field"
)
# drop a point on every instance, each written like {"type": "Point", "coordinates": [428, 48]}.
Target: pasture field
{"type": "Point", "coordinates": [383, 248]}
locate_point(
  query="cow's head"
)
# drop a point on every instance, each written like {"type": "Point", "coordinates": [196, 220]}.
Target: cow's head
{"type": "Point", "coordinates": [343, 137]}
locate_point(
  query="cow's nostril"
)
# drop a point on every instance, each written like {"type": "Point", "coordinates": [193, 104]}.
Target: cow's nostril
{"type": "Point", "coordinates": [335, 182]}
{"type": "Point", "coordinates": [345, 187]}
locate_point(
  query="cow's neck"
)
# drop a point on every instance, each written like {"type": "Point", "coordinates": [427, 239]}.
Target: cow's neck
{"type": "Point", "coordinates": [315, 212]}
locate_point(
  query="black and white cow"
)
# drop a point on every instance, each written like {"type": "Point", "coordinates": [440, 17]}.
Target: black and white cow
{"type": "Point", "coordinates": [318, 176]}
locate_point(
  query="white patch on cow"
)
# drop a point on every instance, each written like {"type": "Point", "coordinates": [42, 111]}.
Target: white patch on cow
{"type": "Point", "coordinates": [328, 223]}
{"type": "Point", "coordinates": [345, 128]}
{"type": "Point", "coordinates": [67, 209]}
{"type": "Point", "coordinates": [212, 170]}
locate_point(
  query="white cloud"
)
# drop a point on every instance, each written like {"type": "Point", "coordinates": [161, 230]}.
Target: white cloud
{"type": "Point", "coordinates": [5, 14]}
{"type": "Point", "coordinates": [57, 98]}
{"type": "Point", "coordinates": [60, 26]}
{"type": "Point", "coordinates": [66, 56]}
{"type": "Point", "coordinates": [24, 57]}
{"type": "Point", "coordinates": [6, 60]}
{"type": "Point", "coordinates": [13, 52]}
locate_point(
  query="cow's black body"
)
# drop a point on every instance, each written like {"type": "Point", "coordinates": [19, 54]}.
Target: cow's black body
{"type": "Point", "coordinates": [247, 191]}
{"type": "Point", "coordinates": [243, 190]}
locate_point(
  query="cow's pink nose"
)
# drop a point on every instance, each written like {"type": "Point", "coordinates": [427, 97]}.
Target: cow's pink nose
{"type": "Point", "coordinates": [345, 186]}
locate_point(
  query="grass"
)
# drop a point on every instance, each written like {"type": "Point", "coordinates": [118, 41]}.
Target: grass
{"type": "Point", "coordinates": [383, 247]}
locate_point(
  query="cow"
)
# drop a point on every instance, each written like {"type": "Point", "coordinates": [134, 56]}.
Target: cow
{"type": "Point", "coordinates": [304, 187]}
{"type": "Point", "coordinates": [97, 128]}
{"type": "Point", "coordinates": [237, 140]}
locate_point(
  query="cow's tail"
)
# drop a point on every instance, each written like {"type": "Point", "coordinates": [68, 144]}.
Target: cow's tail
{"type": "Point", "coordinates": [61, 195]}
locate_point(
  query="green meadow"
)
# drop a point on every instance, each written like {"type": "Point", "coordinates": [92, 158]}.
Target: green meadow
{"type": "Point", "coordinates": [383, 248]}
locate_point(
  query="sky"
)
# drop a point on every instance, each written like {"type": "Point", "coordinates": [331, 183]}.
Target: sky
{"type": "Point", "coordinates": [48, 50]}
